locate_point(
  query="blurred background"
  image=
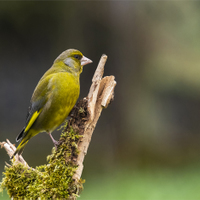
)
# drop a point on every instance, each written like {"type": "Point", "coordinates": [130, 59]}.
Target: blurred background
{"type": "Point", "coordinates": [146, 145]}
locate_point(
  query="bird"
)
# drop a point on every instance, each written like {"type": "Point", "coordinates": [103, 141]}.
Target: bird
{"type": "Point", "coordinates": [54, 97]}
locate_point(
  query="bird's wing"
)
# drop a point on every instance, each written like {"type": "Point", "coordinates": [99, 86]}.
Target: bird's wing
{"type": "Point", "coordinates": [35, 109]}
{"type": "Point", "coordinates": [38, 100]}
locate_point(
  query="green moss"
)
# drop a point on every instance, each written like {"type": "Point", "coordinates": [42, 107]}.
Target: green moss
{"type": "Point", "coordinates": [81, 110]}
{"type": "Point", "coordinates": [51, 181]}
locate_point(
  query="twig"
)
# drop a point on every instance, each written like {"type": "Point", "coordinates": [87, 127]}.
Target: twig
{"type": "Point", "coordinates": [10, 149]}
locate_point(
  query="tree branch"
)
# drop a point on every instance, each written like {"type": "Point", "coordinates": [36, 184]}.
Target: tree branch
{"type": "Point", "coordinates": [100, 94]}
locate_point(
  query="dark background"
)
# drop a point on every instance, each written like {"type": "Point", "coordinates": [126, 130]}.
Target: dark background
{"type": "Point", "coordinates": [149, 137]}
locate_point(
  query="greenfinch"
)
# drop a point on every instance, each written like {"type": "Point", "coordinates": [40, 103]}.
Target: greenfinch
{"type": "Point", "coordinates": [54, 97]}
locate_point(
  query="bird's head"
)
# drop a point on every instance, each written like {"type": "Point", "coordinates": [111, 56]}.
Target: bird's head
{"type": "Point", "coordinates": [72, 60]}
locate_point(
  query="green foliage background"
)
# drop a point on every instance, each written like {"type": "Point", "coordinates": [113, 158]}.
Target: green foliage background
{"type": "Point", "coordinates": [146, 144]}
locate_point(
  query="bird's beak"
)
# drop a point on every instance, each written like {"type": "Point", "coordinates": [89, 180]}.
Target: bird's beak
{"type": "Point", "coordinates": [85, 61]}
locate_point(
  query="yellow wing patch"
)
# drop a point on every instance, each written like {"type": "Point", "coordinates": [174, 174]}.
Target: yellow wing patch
{"type": "Point", "coordinates": [32, 120]}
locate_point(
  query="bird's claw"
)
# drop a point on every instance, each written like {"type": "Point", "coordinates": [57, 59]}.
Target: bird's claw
{"type": "Point", "coordinates": [56, 144]}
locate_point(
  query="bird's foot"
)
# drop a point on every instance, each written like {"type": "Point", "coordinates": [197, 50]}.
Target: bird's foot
{"type": "Point", "coordinates": [56, 143]}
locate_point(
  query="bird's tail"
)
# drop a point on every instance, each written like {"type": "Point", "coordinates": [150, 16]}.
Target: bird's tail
{"type": "Point", "coordinates": [20, 148]}
{"type": "Point", "coordinates": [22, 144]}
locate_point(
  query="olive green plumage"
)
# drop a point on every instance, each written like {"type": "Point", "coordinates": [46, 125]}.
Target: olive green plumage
{"type": "Point", "coordinates": [54, 96]}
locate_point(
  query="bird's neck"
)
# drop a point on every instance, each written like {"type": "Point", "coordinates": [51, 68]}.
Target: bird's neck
{"type": "Point", "coordinates": [61, 67]}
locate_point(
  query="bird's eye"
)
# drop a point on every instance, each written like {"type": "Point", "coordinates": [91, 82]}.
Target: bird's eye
{"type": "Point", "coordinates": [77, 56]}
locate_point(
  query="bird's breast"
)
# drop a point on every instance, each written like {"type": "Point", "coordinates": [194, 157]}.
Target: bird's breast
{"type": "Point", "coordinates": [63, 92]}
